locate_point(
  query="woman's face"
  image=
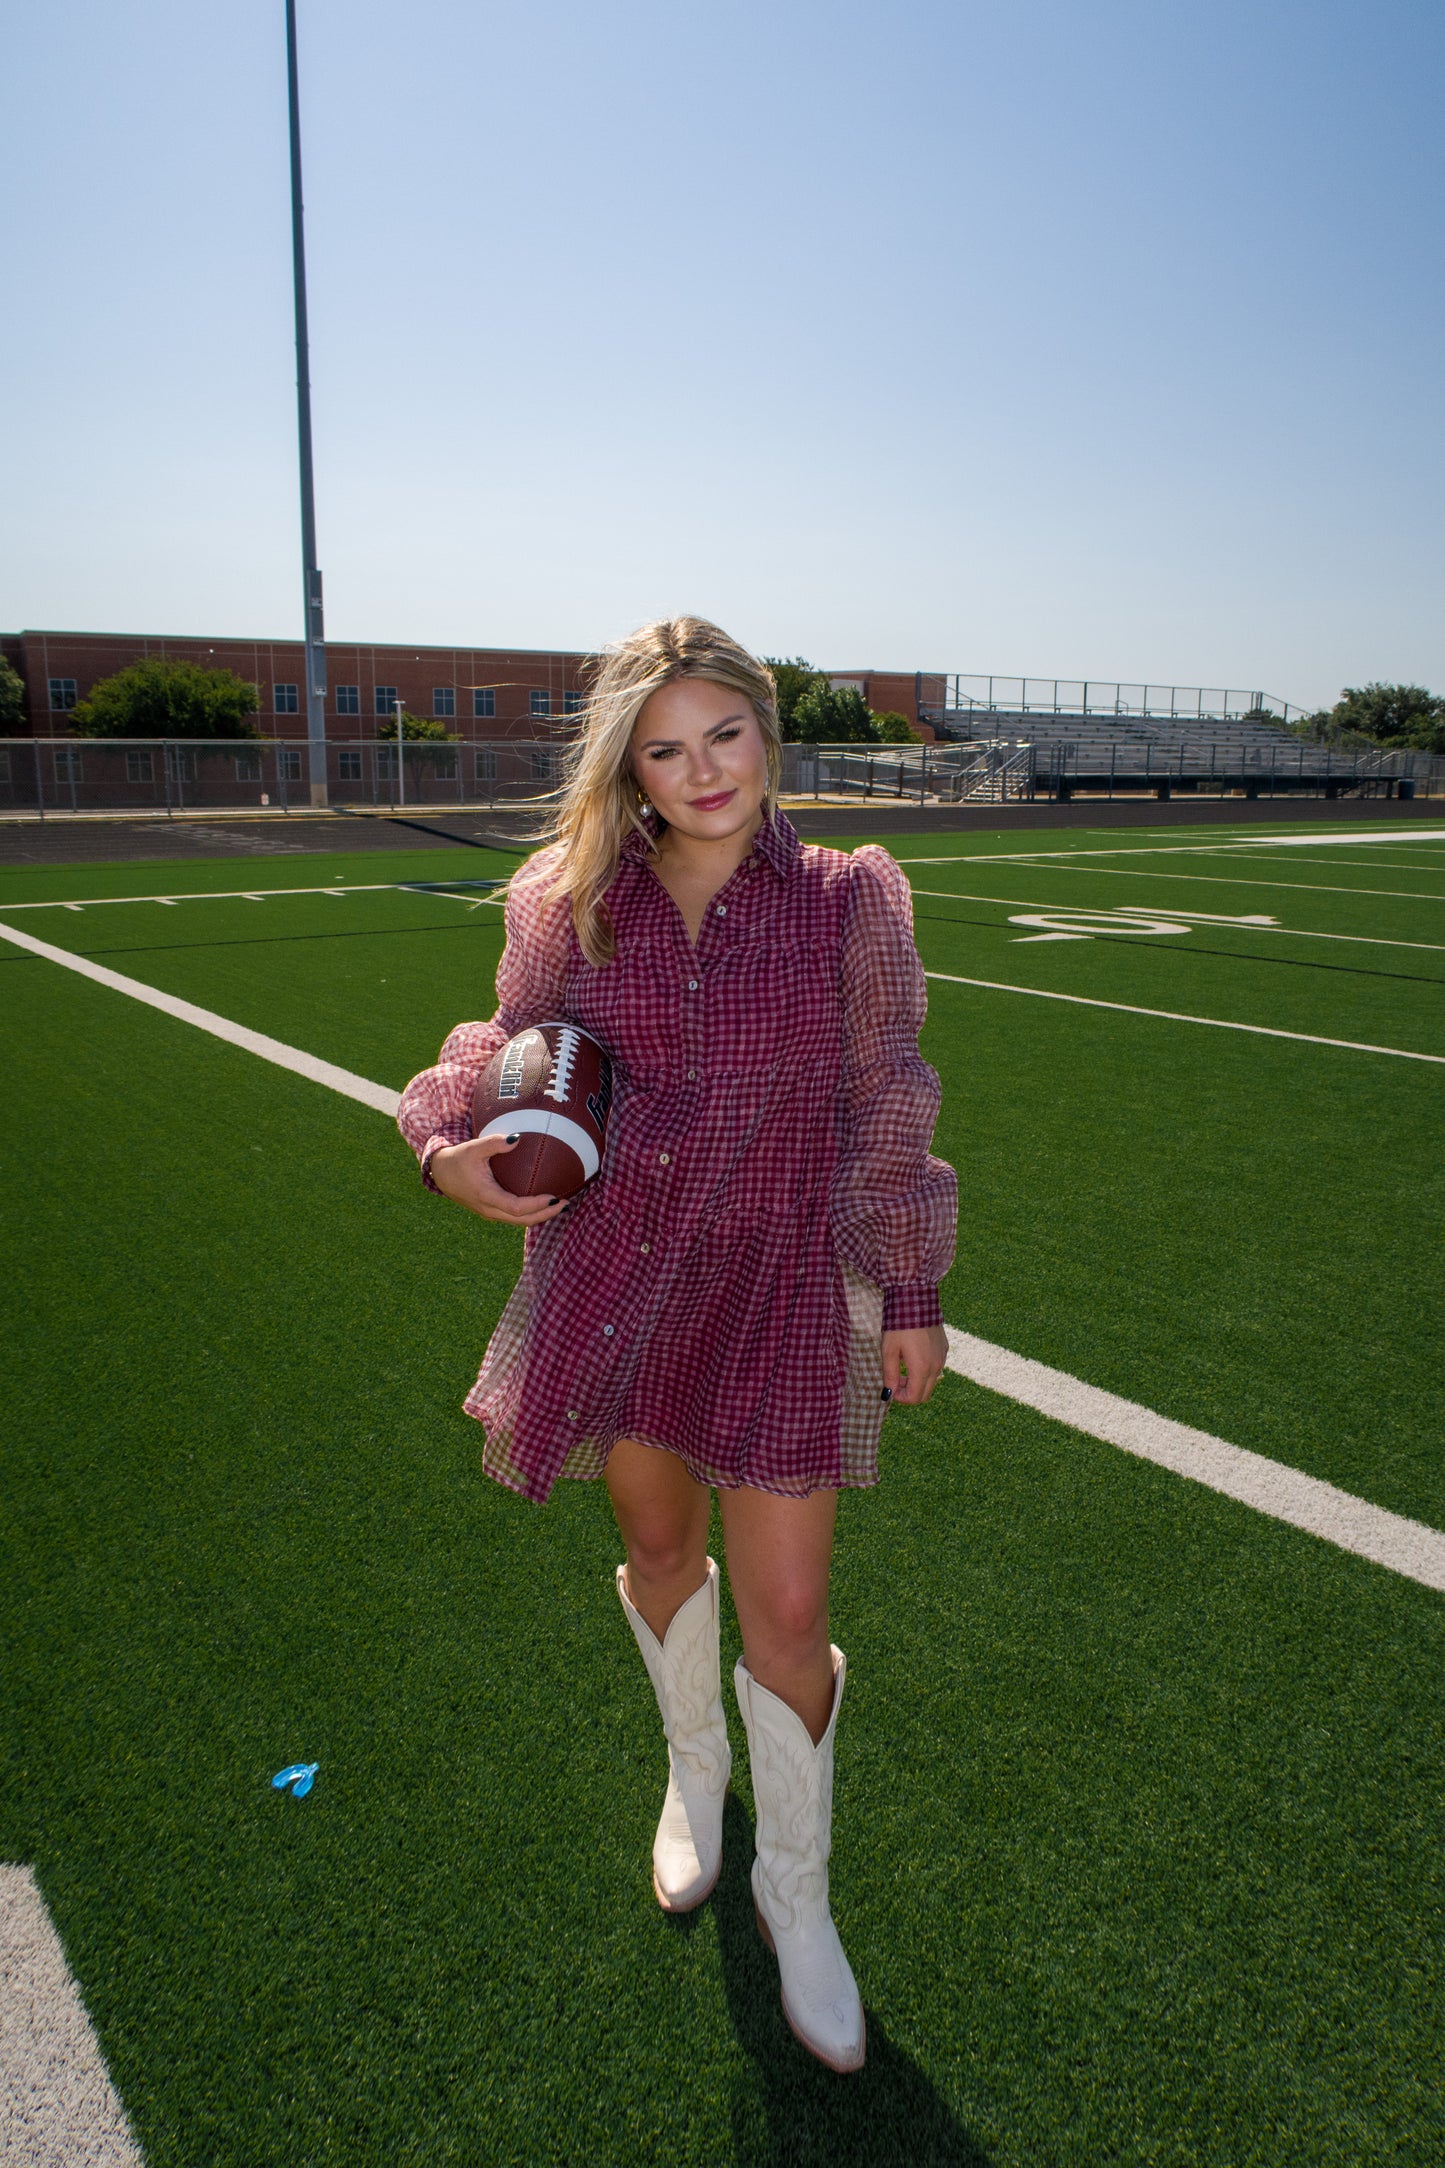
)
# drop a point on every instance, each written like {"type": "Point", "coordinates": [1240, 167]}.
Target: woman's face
{"type": "Point", "coordinates": [699, 758]}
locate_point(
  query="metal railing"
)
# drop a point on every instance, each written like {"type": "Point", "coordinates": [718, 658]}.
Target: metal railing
{"type": "Point", "coordinates": [970, 695]}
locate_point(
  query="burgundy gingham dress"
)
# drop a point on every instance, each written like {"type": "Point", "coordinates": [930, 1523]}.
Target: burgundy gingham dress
{"type": "Point", "coordinates": [767, 1202]}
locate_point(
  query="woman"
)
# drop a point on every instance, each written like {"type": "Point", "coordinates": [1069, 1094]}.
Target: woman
{"type": "Point", "coordinates": [754, 1272]}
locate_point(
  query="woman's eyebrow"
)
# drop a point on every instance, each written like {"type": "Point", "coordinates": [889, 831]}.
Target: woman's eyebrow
{"type": "Point", "coordinates": [723, 724]}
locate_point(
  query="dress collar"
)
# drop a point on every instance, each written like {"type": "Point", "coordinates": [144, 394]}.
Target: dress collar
{"type": "Point", "coordinates": [776, 844]}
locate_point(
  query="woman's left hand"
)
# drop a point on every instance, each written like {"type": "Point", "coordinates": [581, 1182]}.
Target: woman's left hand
{"type": "Point", "coordinates": [913, 1362]}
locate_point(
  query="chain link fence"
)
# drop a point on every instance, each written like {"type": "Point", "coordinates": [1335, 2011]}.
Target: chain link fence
{"type": "Point", "coordinates": [48, 776]}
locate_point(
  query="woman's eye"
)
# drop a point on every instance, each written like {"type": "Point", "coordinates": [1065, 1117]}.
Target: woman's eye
{"type": "Point", "coordinates": [661, 752]}
{"type": "Point", "coordinates": [725, 737]}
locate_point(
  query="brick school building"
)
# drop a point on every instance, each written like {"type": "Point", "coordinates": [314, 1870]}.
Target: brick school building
{"type": "Point", "coordinates": [492, 693]}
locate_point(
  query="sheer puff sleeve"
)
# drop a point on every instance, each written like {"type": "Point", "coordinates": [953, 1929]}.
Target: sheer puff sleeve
{"type": "Point", "coordinates": [436, 1107]}
{"type": "Point", "coordinates": [894, 1206]}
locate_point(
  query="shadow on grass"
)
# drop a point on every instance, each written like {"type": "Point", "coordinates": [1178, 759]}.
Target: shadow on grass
{"type": "Point", "coordinates": [797, 2112]}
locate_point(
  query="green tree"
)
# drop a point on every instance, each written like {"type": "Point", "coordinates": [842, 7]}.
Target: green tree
{"type": "Point", "coordinates": [1321, 729]}
{"type": "Point", "coordinates": [1400, 715]}
{"type": "Point", "coordinates": [12, 698]}
{"type": "Point", "coordinates": [160, 699]}
{"type": "Point", "coordinates": [891, 728]}
{"type": "Point", "coordinates": [793, 678]}
{"type": "Point", "coordinates": [825, 716]}
{"type": "Point", "coordinates": [417, 726]}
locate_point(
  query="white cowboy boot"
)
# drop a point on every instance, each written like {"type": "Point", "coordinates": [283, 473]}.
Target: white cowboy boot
{"type": "Point", "coordinates": [683, 1668]}
{"type": "Point", "coordinates": [793, 1795]}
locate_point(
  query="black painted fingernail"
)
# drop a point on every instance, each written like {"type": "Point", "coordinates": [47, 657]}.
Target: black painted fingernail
{"type": "Point", "coordinates": [551, 1200]}
{"type": "Point", "coordinates": [887, 1393]}
{"type": "Point", "coordinates": [516, 1133]}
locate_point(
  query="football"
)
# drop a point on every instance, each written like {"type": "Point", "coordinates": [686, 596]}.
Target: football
{"type": "Point", "coordinates": [554, 1084]}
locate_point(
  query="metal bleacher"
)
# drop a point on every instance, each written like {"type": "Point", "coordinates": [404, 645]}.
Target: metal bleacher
{"type": "Point", "coordinates": [1001, 739]}
{"type": "Point", "coordinates": [1029, 737]}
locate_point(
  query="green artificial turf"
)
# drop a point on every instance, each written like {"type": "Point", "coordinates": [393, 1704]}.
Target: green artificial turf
{"type": "Point", "coordinates": [1227, 1227]}
{"type": "Point", "coordinates": [1139, 1819]}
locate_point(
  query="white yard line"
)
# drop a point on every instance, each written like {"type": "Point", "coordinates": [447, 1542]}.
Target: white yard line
{"type": "Point", "coordinates": [1173, 850]}
{"type": "Point", "coordinates": [57, 2104]}
{"type": "Point", "coordinates": [1140, 873]}
{"type": "Point", "coordinates": [1406, 1547]}
{"type": "Point", "coordinates": [1312, 838]}
{"type": "Point", "coordinates": [1388, 1539]}
{"type": "Point", "coordinates": [1208, 921]}
{"type": "Point", "coordinates": [219, 1027]}
{"type": "Point", "coordinates": [261, 895]}
{"type": "Point", "coordinates": [1271, 858]}
{"type": "Point", "coordinates": [1175, 1016]}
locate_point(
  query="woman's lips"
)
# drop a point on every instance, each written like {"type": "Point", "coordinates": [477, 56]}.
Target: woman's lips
{"type": "Point", "coordinates": [710, 805]}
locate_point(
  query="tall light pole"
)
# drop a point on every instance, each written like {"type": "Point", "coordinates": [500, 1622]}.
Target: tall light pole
{"type": "Point", "coordinates": [311, 575]}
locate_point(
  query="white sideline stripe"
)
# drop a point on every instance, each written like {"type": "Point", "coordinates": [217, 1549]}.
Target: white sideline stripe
{"type": "Point", "coordinates": [57, 2104]}
{"type": "Point", "coordinates": [219, 1027]}
{"type": "Point", "coordinates": [1174, 1016]}
{"type": "Point", "coordinates": [1388, 1539]}
{"type": "Point", "coordinates": [1407, 1547]}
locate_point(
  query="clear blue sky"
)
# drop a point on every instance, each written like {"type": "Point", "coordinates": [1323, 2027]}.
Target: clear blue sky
{"type": "Point", "coordinates": [1036, 336]}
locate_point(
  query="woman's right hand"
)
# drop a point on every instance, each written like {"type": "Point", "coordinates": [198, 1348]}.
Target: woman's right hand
{"type": "Point", "coordinates": [463, 1172]}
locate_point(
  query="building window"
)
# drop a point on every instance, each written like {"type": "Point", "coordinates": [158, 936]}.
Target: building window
{"type": "Point", "coordinates": [183, 763]}
{"type": "Point", "coordinates": [386, 700]}
{"type": "Point", "coordinates": [289, 761]}
{"type": "Point", "coordinates": [572, 703]}
{"type": "Point", "coordinates": [444, 700]}
{"type": "Point", "coordinates": [348, 764]}
{"type": "Point", "coordinates": [486, 764]}
{"type": "Point", "coordinates": [284, 700]}
{"type": "Point", "coordinates": [484, 702]}
{"type": "Point", "coordinates": [248, 767]}
{"type": "Point", "coordinates": [541, 704]}
{"type": "Point", "coordinates": [348, 699]}
{"type": "Point", "coordinates": [138, 768]}
{"type": "Point", "coordinates": [62, 695]}
{"type": "Point", "coordinates": [67, 764]}
{"type": "Point", "coordinates": [386, 763]}
{"type": "Point", "coordinates": [541, 767]}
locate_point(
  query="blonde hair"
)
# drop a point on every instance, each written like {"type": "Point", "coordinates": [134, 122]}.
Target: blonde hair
{"type": "Point", "coordinates": [601, 801]}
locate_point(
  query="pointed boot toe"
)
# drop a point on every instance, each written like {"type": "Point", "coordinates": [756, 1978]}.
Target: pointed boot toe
{"type": "Point", "coordinates": [684, 1670]}
{"type": "Point", "coordinates": [793, 1789]}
